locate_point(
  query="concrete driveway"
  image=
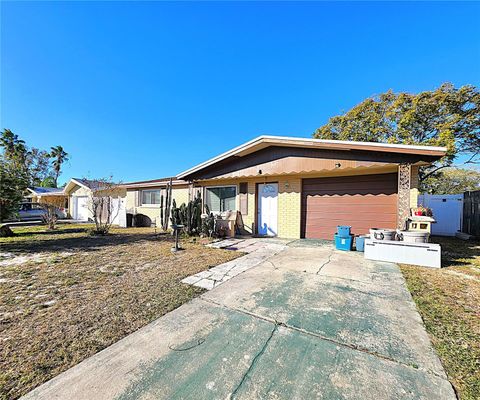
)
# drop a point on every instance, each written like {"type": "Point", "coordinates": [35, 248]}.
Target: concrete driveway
{"type": "Point", "coordinates": [309, 322]}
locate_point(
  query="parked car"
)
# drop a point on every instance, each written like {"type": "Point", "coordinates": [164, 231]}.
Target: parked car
{"type": "Point", "coordinates": [35, 211]}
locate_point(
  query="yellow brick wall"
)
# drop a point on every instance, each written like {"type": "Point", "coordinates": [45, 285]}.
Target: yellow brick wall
{"type": "Point", "coordinates": [414, 184]}
{"type": "Point", "coordinates": [249, 218]}
{"type": "Point", "coordinates": [289, 207]}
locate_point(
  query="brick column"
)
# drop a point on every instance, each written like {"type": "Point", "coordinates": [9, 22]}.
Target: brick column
{"type": "Point", "coordinates": [404, 181]}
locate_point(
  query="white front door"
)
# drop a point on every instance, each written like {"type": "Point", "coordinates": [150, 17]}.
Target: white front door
{"type": "Point", "coordinates": [267, 209]}
{"type": "Point", "coordinates": [80, 208]}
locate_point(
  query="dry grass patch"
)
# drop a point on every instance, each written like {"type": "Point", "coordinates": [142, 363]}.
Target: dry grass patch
{"type": "Point", "coordinates": [83, 294]}
{"type": "Point", "coordinates": [449, 302]}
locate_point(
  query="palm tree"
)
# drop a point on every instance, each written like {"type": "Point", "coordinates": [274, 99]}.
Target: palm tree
{"type": "Point", "coordinates": [14, 148]}
{"type": "Point", "coordinates": [59, 157]}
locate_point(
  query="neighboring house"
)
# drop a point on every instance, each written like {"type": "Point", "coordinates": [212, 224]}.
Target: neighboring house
{"type": "Point", "coordinates": [46, 195]}
{"type": "Point", "coordinates": [144, 197]}
{"type": "Point", "coordinates": [303, 188]}
{"type": "Point", "coordinates": [80, 193]}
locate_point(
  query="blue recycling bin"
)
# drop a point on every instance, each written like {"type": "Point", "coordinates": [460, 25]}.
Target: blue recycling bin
{"type": "Point", "coordinates": [343, 242]}
{"type": "Point", "coordinates": [360, 243]}
{"type": "Point", "coordinates": [343, 230]}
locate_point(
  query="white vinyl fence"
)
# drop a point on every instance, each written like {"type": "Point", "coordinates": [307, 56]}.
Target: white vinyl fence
{"type": "Point", "coordinates": [447, 211]}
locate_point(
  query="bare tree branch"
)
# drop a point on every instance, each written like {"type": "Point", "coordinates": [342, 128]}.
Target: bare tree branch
{"type": "Point", "coordinates": [101, 205]}
{"type": "Point", "coordinates": [433, 171]}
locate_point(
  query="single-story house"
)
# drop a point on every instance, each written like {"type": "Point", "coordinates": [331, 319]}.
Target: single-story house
{"type": "Point", "coordinates": [302, 188]}
{"type": "Point", "coordinates": [47, 195]}
{"type": "Point", "coordinates": [80, 193]}
{"type": "Point", "coordinates": [144, 197]}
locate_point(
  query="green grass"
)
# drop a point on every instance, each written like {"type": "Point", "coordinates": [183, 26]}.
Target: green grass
{"type": "Point", "coordinates": [449, 303]}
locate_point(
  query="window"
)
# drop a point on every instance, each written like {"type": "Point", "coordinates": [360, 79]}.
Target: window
{"type": "Point", "coordinates": [220, 199]}
{"type": "Point", "coordinates": [150, 196]}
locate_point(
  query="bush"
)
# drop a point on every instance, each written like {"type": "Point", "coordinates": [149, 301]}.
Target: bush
{"type": "Point", "coordinates": [101, 231]}
{"type": "Point", "coordinates": [50, 217]}
{"type": "Point", "coordinates": [189, 215]}
{"type": "Point", "coordinates": [208, 223]}
{"type": "Point", "coordinates": [5, 231]}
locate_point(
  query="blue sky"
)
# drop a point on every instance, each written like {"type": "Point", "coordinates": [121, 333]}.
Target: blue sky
{"type": "Point", "coordinates": [146, 90]}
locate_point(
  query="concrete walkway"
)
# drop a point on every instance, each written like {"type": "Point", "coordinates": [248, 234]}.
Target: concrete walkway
{"type": "Point", "coordinates": [257, 251]}
{"type": "Point", "coordinates": [308, 323]}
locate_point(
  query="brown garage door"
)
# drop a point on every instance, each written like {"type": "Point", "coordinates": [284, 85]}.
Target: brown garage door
{"type": "Point", "coordinates": [363, 202]}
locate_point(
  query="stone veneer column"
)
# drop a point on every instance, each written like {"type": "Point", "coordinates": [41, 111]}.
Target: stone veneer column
{"type": "Point", "coordinates": [404, 180]}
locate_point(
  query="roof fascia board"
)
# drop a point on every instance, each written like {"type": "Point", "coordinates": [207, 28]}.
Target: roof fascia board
{"type": "Point", "coordinates": [152, 184]}
{"type": "Point", "coordinates": [220, 157]}
{"type": "Point", "coordinates": [246, 148]}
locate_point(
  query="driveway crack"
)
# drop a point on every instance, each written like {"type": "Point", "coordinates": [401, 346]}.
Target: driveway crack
{"type": "Point", "coordinates": [273, 264]}
{"type": "Point", "coordinates": [326, 262]}
{"type": "Point", "coordinates": [219, 281]}
{"type": "Point", "coordinates": [317, 335]}
{"type": "Point", "coordinates": [254, 361]}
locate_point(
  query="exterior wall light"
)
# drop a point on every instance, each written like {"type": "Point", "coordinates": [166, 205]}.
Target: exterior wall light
{"type": "Point", "coordinates": [338, 165]}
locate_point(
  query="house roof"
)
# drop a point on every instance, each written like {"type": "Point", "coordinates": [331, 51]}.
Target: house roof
{"type": "Point", "coordinates": [89, 184]}
{"type": "Point", "coordinates": [262, 142]}
{"type": "Point", "coordinates": [154, 182]}
{"type": "Point", "coordinates": [39, 191]}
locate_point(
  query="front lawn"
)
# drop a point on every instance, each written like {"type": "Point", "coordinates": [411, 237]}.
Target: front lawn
{"type": "Point", "coordinates": [65, 295]}
{"type": "Point", "coordinates": [449, 303]}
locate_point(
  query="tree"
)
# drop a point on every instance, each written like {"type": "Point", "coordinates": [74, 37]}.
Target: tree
{"type": "Point", "coordinates": [49, 181]}
{"type": "Point", "coordinates": [39, 166]}
{"type": "Point", "coordinates": [14, 177]}
{"type": "Point", "coordinates": [446, 116]}
{"type": "Point", "coordinates": [13, 182]}
{"type": "Point", "coordinates": [101, 205]}
{"type": "Point", "coordinates": [14, 148]}
{"type": "Point", "coordinates": [452, 181]}
{"type": "Point", "coordinates": [50, 217]}
{"type": "Point", "coordinates": [35, 162]}
{"type": "Point", "coordinates": [59, 157]}
{"type": "Point", "coordinates": [22, 167]}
